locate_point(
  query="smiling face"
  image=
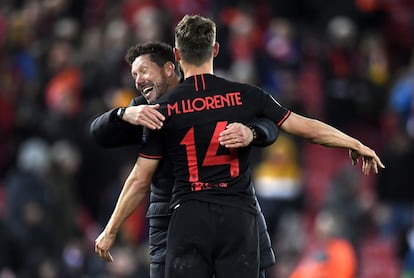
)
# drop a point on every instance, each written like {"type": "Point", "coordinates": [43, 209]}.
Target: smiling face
{"type": "Point", "coordinates": [151, 80]}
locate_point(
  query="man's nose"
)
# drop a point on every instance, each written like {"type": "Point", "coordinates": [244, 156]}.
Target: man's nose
{"type": "Point", "coordinates": [139, 80]}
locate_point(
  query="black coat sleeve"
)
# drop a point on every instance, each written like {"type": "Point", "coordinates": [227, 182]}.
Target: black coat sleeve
{"type": "Point", "coordinates": [108, 131]}
{"type": "Point", "coordinates": [267, 132]}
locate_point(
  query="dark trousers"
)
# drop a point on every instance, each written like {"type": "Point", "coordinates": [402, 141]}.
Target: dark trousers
{"type": "Point", "coordinates": [158, 227]}
{"type": "Point", "coordinates": [206, 239]}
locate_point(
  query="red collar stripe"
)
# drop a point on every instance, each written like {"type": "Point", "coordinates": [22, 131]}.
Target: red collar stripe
{"type": "Point", "coordinates": [195, 83]}
{"type": "Point", "coordinates": [204, 83]}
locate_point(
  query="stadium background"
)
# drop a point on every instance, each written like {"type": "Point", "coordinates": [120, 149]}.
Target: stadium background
{"type": "Point", "coordinates": [348, 63]}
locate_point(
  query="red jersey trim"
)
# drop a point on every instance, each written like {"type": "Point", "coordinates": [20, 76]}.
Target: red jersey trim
{"type": "Point", "coordinates": [204, 83]}
{"type": "Point", "coordinates": [284, 118]}
{"type": "Point", "coordinates": [195, 83]}
{"type": "Point", "coordinates": [150, 156]}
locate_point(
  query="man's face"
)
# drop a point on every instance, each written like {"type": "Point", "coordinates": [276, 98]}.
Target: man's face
{"type": "Point", "coordinates": [150, 79]}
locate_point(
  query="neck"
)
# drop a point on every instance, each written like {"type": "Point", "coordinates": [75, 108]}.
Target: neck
{"type": "Point", "coordinates": [173, 82]}
{"type": "Point", "coordinates": [191, 70]}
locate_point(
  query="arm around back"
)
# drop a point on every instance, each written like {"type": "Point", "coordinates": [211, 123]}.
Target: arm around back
{"type": "Point", "coordinates": [108, 130]}
{"type": "Point", "coordinates": [266, 131]}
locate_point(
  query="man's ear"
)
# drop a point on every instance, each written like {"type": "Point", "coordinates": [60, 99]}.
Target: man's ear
{"type": "Point", "coordinates": [169, 69]}
{"type": "Point", "coordinates": [177, 54]}
{"type": "Point", "coordinates": [216, 48]}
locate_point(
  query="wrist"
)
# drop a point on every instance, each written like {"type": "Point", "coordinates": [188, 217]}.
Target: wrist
{"type": "Point", "coordinates": [120, 112]}
{"type": "Point", "coordinates": [254, 132]}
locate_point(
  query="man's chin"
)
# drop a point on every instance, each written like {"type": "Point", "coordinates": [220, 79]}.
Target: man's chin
{"type": "Point", "coordinates": [151, 100]}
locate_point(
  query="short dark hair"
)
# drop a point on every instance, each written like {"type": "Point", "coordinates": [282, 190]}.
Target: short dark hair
{"type": "Point", "coordinates": [159, 53]}
{"type": "Point", "coordinates": [195, 36]}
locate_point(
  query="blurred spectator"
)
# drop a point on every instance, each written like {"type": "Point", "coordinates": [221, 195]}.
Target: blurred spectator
{"type": "Point", "coordinates": [329, 255]}
{"type": "Point", "coordinates": [342, 80]}
{"type": "Point", "coordinates": [310, 77]}
{"type": "Point", "coordinates": [289, 243]}
{"type": "Point", "coordinates": [242, 41]}
{"type": "Point", "coordinates": [407, 270]}
{"type": "Point", "coordinates": [344, 200]}
{"type": "Point", "coordinates": [61, 63]}
{"type": "Point", "coordinates": [279, 62]}
{"type": "Point", "coordinates": [65, 162]}
{"type": "Point", "coordinates": [29, 207]}
{"type": "Point", "coordinates": [401, 100]}
{"type": "Point", "coordinates": [394, 188]}
{"type": "Point", "coordinates": [278, 182]}
{"type": "Point", "coordinates": [127, 265]}
{"type": "Point", "coordinates": [150, 23]}
{"type": "Point", "coordinates": [394, 192]}
{"type": "Point", "coordinates": [74, 258]}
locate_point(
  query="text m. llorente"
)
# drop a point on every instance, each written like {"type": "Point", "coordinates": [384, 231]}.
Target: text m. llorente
{"type": "Point", "coordinates": [204, 103]}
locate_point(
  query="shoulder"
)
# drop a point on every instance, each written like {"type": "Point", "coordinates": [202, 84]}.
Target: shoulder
{"type": "Point", "coordinates": [244, 86]}
{"type": "Point", "coordinates": [139, 100]}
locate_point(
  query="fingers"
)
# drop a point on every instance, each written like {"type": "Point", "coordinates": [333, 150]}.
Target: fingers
{"type": "Point", "coordinates": [232, 130]}
{"type": "Point", "coordinates": [145, 115]}
{"type": "Point", "coordinates": [102, 246]}
{"type": "Point", "coordinates": [232, 144]}
{"type": "Point", "coordinates": [153, 121]}
{"type": "Point", "coordinates": [369, 164]}
{"type": "Point", "coordinates": [353, 155]}
{"type": "Point", "coordinates": [375, 168]}
{"type": "Point", "coordinates": [107, 257]}
{"type": "Point", "coordinates": [104, 254]}
{"type": "Point", "coordinates": [152, 118]}
{"type": "Point", "coordinates": [354, 162]}
{"type": "Point", "coordinates": [370, 161]}
{"type": "Point", "coordinates": [379, 162]}
{"type": "Point", "coordinates": [366, 165]}
{"type": "Point", "coordinates": [235, 135]}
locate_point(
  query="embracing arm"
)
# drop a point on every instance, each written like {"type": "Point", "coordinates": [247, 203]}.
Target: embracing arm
{"type": "Point", "coordinates": [266, 132]}
{"type": "Point", "coordinates": [135, 188]}
{"type": "Point", "coordinates": [318, 132]}
{"type": "Point", "coordinates": [260, 133]}
{"type": "Point", "coordinates": [108, 130]}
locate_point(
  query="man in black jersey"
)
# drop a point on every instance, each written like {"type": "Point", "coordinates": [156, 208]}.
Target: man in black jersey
{"type": "Point", "coordinates": [213, 228]}
{"type": "Point", "coordinates": [153, 69]}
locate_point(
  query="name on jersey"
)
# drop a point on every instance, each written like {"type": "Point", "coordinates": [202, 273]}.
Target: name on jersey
{"type": "Point", "coordinates": [198, 186]}
{"type": "Point", "coordinates": [204, 103]}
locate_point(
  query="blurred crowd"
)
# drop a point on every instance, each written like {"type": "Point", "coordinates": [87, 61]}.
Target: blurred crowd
{"type": "Point", "coordinates": [348, 63]}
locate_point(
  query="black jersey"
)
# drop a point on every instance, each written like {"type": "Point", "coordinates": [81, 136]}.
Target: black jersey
{"type": "Point", "coordinates": [196, 112]}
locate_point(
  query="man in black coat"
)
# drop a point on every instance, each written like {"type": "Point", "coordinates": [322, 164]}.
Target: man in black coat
{"type": "Point", "coordinates": [129, 125]}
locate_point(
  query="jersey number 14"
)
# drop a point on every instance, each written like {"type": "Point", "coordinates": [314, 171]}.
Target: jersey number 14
{"type": "Point", "coordinates": [211, 157]}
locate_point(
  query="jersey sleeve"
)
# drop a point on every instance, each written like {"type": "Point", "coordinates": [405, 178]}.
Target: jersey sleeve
{"type": "Point", "coordinates": [153, 148]}
{"type": "Point", "coordinates": [273, 110]}
{"type": "Point", "coordinates": [267, 132]}
{"type": "Point", "coordinates": [108, 131]}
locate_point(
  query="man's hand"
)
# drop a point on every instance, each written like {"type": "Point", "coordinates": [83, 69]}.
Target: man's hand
{"type": "Point", "coordinates": [144, 115]}
{"type": "Point", "coordinates": [103, 243]}
{"type": "Point", "coordinates": [236, 135]}
{"type": "Point", "coordinates": [370, 160]}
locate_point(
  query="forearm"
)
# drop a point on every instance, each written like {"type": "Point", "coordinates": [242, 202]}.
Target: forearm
{"type": "Point", "coordinates": [132, 194]}
{"type": "Point", "coordinates": [108, 131]}
{"type": "Point", "coordinates": [318, 132]}
{"type": "Point", "coordinates": [329, 136]}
